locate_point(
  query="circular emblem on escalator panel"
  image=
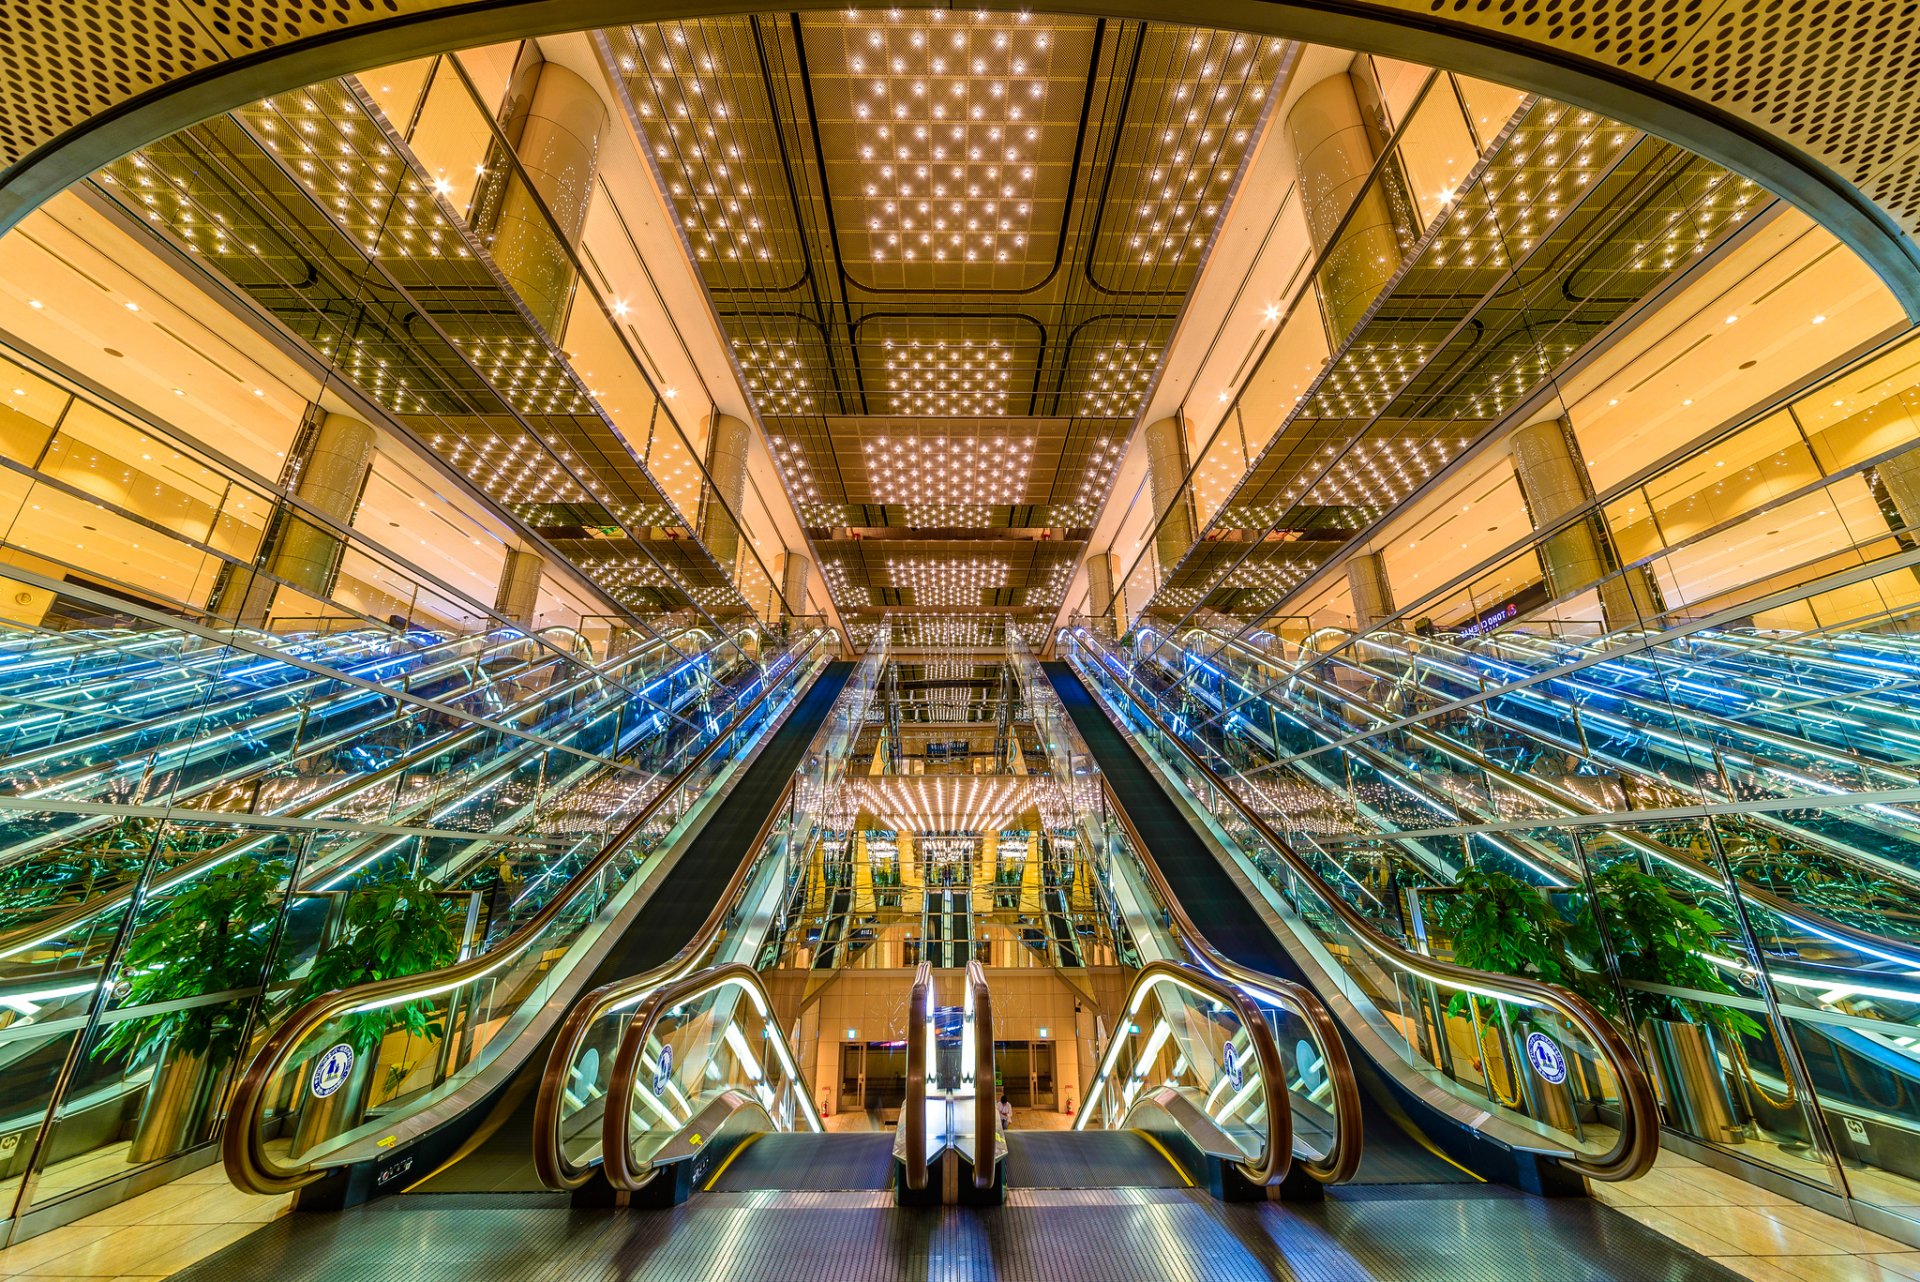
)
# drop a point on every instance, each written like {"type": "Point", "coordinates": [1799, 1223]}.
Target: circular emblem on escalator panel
{"type": "Point", "coordinates": [1547, 1058]}
{"type": "Point", "coordinates": [331, 1073]}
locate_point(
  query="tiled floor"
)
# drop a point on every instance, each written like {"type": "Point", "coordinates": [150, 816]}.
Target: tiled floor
{"type": "Point", "coordinates": [150, 1236]}
{"type": "Point", "coordinates": [1757, 1234]}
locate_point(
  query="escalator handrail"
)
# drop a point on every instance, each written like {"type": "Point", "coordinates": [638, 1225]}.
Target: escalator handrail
{"type": "Point", "coordinates": [1343, 1160]}
{"type": "Point", "coordinates": [986, 1104]}
{"type": "Point", "coordinates": [1638, 1144]}
{"type": "Point", "coordinates": [913, 1109]}
{"type": "Point", "coordinates": [242, 1147]}
{"type": "Point", "coordinates": [616, 1136]}
{"type": "Point", "coordinates": [549, 1153]}
{"type": "Point", "coordinates": [1277, 1159]}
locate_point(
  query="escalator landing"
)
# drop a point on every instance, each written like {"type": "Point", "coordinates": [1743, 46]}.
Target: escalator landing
{"type": "Point", "coordinates": [1041, 1235]}
{"type": "Point", "coordinates": [1089, 1160]}
{"type": "Point", "coordinates": [853, 1161]}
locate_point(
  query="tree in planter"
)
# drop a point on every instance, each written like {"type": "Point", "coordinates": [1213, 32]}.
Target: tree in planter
{"type": "Point", "coordinates": [387, 931]}
{"type": "Point", "coordinates": [213, 936]}
{"type": "Point", "coordinates": [1658, 939]}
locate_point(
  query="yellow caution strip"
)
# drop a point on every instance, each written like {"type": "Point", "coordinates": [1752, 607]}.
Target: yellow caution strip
{"type": "Point", "coordinates": [740, 1148]}
{"type": "Point", "coordinates": [1161, 1149]}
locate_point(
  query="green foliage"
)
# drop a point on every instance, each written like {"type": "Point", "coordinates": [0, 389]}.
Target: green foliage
{"type": "Point", "coordinates": [387, 931]}
{"type": "Point", "coordinates": [1657, 939]}
{"type": "Point", "coordinates": [213, 936]}
{"type": "Point", "coordinates": [1501, 924]}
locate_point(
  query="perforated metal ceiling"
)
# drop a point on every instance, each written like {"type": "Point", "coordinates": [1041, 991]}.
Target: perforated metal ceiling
{"type": "Point", "coordinates": [1831, 88]}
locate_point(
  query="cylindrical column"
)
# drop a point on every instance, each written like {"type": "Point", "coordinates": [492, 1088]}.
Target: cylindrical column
{"type": "Point", "coordinates": [519, 592]}
{"type": "Point", "coordinates": [1166, 474]}
{"type": "Point", "coordinates": [308, 555]}
{"type": "Point", "coordinates": [1372, 594]}
{"type": "Point", "coordinates": [1900, 477]}
{"type": "Point", "coordinates": [727, 442]}
{"type": "Point", "coordinates": [794, 573]}
{"type": "Point", "coordinates": [1333, 155]}
{"type": "Point", "coordinates": [1553, 480]}
{"type": "Point", "coordinates": [557, 138]}
{"type": "Point", "coordinates": [1100, 585]}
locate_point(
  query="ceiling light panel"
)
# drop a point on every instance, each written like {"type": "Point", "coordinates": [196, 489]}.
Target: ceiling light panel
{"type": "Point", "coordinates": [1195, 109]}
{"type": "Point", "coordinates": [329, 223]}
{"type": "Point", "coordinates": [1572, 220]}
{"type": "Point", "coordinates": [950, 141]}
{"type": "Point", "coordinates": [716, 143]}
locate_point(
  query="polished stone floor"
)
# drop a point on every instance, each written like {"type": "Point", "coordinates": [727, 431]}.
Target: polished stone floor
{"type": "Point", "coordinates": [1402, 1234]}
{"type": "Point", "coordinates": [1681, 1223]}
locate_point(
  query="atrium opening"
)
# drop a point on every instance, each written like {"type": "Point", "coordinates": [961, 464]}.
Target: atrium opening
{"type": "Point", "coordinates": [946, 642]}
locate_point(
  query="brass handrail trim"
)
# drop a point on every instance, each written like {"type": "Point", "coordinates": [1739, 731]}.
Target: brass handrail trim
{"type": "Point", "coordinates": [1277, 1159]}
{"type": "Point", "coordinates": [986, 1124]}
{"type": "Point", "coordinates": [616, 1154]}
{"type": "Point", "coordinates": [241, 1148]}
{"type": "Point", "coordinates": [913, 1111]}
{"type": "Point", "coordinates": [1638, 1144]}
{"type": "Point", "coordinates": [1343, 1162]}
{"type": "Point", "coordinates": [549, 1158]}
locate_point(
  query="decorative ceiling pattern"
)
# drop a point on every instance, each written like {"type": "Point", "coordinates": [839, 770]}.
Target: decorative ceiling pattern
{"type": "Point", "coordinates": [948, 250]}
{"type": "Point", "coordinates": [1829, 90]}
{"type": "Point", "coordinates": [308, 203]}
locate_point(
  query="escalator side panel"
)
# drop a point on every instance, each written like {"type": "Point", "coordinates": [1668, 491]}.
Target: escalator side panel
{"type": "Point", "coordinates": [1210, 894]}
{"type": "Point", "coordinates": [497, 1154]}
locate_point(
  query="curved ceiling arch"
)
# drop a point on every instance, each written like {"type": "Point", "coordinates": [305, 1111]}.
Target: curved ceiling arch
{"type": "Point", "coordinates": [1819, 102]}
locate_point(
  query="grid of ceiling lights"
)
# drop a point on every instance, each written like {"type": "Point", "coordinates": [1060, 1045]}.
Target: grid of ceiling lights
{"type": "Point", "coordinates": [776, 373]}
{"type": "Point", "coordinates": [961, 379]}
{"type": "Point", "coordinates": [962, 469]}
{"type": "Point", "coordinates": [947, 581]}
{"type": "Point", "coordinates": [341, 157]}
{"type": "Point", "coordinates": [946, 803]}
{"type": "Point", "coordinates": [1205, 124]}
{"type": "Point", "coordinates": [1119, 379]}
{"type": "Point", "coordinates": [703, 145]}
{"type": "Point", "coordinates": [947, 121]}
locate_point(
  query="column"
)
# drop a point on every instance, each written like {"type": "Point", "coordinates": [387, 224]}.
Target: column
{"type": "Point", "coordinates": [1333, 155]}
{"type": "Point", "coordinates": [727, 441]}
{"type": "Point", "coordinates": [335, 455]}
{"type": "Point", "coordinates": [1372, 594]}
{"type": "Point", "coordinates": [1554, 481]}
{"type": "Point", "coordinates": [519, 593]}
{"type": "Point", "coordinates": [1166, 476]}
{"type": "Point", "coordinates": [1100, 599]}
{"type": "Point", "coordinates": [555, 131]}
{"type": "Point", "coordinates": [1900, 477]}
{"type": "Point", "coordinates": [794, 571]}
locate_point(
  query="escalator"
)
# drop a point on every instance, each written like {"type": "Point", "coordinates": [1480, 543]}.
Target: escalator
{"type": "Point", "coordinates": [773, 1161]}
{"type": "Point", "coordinates": [1091, 1160]}
{"type": "Point", "coordinates": [470, 1132]}
{"type": "Point", "coordinates": [1397, 1151]}
{"type": "Point", "coordinates": [499, 1157]}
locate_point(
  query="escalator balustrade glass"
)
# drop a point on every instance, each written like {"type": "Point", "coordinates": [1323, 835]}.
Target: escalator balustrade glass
{"type": "Point", "coordinates": [1551, 1070]}
{"type": "Point", "coordinates": [351, 1067]}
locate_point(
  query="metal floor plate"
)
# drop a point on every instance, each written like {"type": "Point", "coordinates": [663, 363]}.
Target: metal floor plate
{"type": "Point", "coordinates": [850, 1238]}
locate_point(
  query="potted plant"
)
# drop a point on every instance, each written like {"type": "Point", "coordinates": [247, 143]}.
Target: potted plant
{"type": "Point", "coordinates": [211, 937]}
{"type": "Point", "coordinates": [1658, 939]}
{"type": "Point", "coordinates": [384, 931]}
{"type": "Point", "coordinates": [1501, 924]}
